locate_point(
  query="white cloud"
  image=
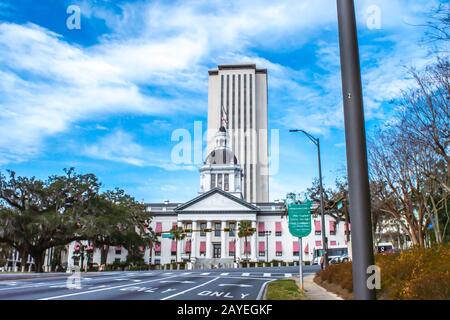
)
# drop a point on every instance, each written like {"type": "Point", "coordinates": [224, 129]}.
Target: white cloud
{"type": "Point", "coordinates": [47, 84]}
{"type": "Point", "coordinates": [120, 146]}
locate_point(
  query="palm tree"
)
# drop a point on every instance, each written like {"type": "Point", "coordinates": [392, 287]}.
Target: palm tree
{"type": "Point", "coordinates": [178, 235]}
{"type": "Point", "coordinates": [245, 231]}
{"type": "Point", "coordinates": [153, 239]}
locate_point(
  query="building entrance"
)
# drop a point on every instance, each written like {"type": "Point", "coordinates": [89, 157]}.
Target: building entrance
{"type": "Point", "coordinates": [216, 250]}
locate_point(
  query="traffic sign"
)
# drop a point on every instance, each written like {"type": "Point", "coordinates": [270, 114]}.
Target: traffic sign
{"type": "Point", "coordinates": [167, 235]}
{"type": "Point", "coordinates": [300, 219]}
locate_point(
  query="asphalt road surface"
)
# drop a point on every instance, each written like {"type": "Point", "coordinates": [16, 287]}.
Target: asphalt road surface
{"type": "Point", "coordinates": [216, 284]}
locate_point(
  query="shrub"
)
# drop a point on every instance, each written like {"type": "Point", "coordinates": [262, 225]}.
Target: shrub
{"type": "Point", "coordinates": [418, 273]}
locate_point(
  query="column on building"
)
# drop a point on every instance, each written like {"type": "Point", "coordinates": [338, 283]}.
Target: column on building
{"type": "Point", "coordinates": [253, 241]}
{"type": "Point", "coordinates": [238, 242]}
{"type": "Point", "coordinates": [208, 241]}
{"type": "Point", "coordinates": [180, 249]}
{"type": "Point", "coordinates": [223, 240]}
{"type": "Point", "coordinates": [194, 237]}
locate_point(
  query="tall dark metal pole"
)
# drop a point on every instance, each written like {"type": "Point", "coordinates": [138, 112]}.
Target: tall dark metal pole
{"type": "Point", "coordinates": [322, 209]}
{"type": "Point", "coordinates": [355, 136]}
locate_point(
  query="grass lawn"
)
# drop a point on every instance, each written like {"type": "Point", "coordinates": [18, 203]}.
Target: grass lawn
{"type": "Point", "coordinates": [284, 290]}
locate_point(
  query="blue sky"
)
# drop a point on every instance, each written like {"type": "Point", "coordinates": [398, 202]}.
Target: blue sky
{"type": "Point", "coordinates": [107, 97]}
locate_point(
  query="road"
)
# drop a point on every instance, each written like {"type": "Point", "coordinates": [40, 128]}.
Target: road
{"type": "Point", "coordinates": [215, 284]}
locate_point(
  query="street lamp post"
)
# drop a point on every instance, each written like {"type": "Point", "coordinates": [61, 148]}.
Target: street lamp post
{"type": "Point", "coordinates": [316, 141]}
{"type": "Point", "coordinates": [355, 136]}
{"type": "Point", "coordinates": [267, 234]}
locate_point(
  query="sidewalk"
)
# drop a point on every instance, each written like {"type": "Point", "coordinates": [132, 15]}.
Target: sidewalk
{"type": "Point", "coordinates": [315, 292]}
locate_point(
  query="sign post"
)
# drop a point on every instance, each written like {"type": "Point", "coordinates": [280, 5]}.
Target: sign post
{"type": "Point", "coordinates": [300, 226]}
{"type": "Point", "coordinates": [300, 258]}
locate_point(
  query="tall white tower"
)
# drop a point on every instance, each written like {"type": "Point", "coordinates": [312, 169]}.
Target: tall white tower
{"type": "Point", "coordinates": [237, 100]}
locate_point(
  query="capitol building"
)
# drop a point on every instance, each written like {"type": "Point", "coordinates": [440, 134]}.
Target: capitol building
{"type": "Point", "coordinates": [234, 187]}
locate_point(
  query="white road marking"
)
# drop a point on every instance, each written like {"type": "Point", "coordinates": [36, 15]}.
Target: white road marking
{"type": "Point", "coordinates": [204, 273]}
{"type": "Point", "coordinates": [235, 285]}
{"type": "Point", "coordinates": [288, 275]}
{"type": "Point", "coordinates": [97, 290]}
{"type": "Point", "coordinates": [136, 280]}
{"type": "Point", "coordinates": [121, 279]}
{"type": "Point", "coordinates": [190, 289]}
{"type": "Point", "coordinates": [266, 275]}
{"type": "Point", "coordinates": [246, 274]}
{"type": "Point", "coordinates": [167, 273]}
{"type": "Point", "coordinates": [260, 293]}
{"type": "Point", "coordinates": [224, 273]}
{"type": "Point", "coordinates": [186, 273]}
{"type": "Point", "coordinates": [179, 281]}
{"type": "Point", "coordinates": [148, 273]}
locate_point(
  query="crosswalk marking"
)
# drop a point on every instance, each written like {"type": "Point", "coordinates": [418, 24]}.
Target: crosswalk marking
{"type": "Point", "coordinates": [288, 275]}
{"type": "Point", "coordinates": [266, 275]}
{"type": "Point", "coordinates": [167, 273]}
{"type": "Point", "coordinates": [224, 274]}
{"type": "Point", "coordinates": [246, 274]}
{"type": "Point", "coordinates": [186, 273]}
{"type": "Point", "coordinates": [204, 274]}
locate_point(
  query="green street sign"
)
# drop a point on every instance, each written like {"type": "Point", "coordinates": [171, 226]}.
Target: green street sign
{"type": "Point", "coordinates": [167, 235]}
{"type": "Point", "coordinates": [300, 219]}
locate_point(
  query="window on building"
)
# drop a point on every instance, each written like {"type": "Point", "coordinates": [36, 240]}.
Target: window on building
{"type": "Point", "coordinates": [213, 180]}
{"type": "Point", "coordinates": [239, 101]}
{"type": "Point", "coordinates": [118, 251]}
{"type": "Point", "coordinates": [226, 182]}
{"type": "Point", "coordinates": [279, 253]}
{"type": "Point", "coordinates": [262, 253]}
{"type": "Point", "coordinates": [117, 260]}
{"type": "Point", "coordinates": [232, 227]}
{"type": "Point", "coordinates": [233, 104]}
{"type": "Point", "coordinates": [157, 261]}
{"type": "Point", "coordinates": [219, 181]}
{"type": "Point", "coordinates": [157, 253]}
{"type": "Point", "coordinates": [295, 253]}
{"type": "Point", "coordinates": [228, 98]}
{"type": "Point", "coordinates": [202, 229]}
{"type": "Point", "coordinates": [217, 227]}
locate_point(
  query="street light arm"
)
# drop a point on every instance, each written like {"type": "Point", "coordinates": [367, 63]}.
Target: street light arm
{"type": "Point", "coordinates": [312, 138]}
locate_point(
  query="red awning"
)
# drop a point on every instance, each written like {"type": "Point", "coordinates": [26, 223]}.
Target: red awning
{"type": "Point", "coordinates": [279, 246]}
{"type": "Point", "coordinates": [118, 247]}
{"type": "Point", "coordinates": [157, 247]}
{"type": "Point", "coordinates": [332, 226]}
{"type": "Point", "coordinates": [188, 246]}
{"type": "Point", "coordinates": [295, 245]}
{"type": "Point", "coordinates": [261, 227]}
{"type": "Point", "coordinates": [203, 246]}
{"type": "Point", "coordinates": [307, 248]}
{"type": "Point", "coordinates": [277, 226]}
{"type": "Point", "coordinates": [247, 247]}
{"type": "Point", "coordinates": [231, 246]}
{"type": "Point", "coordinates": [332, 243]}
{"type": "Point", "coordinates": [317, 227]}
{"type": "Point", "coordinates": [173, 247]}
{"type": "Point", "coordinates": [318, 243]}
{"type": "Point", "coordinates": [262, 246]}
{"type": "Point", "coordinates": [158, 228]}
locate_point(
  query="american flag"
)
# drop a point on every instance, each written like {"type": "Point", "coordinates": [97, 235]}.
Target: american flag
{"type": "Point", "coordinates": [224, 116]}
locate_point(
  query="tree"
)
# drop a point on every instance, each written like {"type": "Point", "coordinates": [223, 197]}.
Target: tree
{"type": "Point", "coordinates": [37, 215]}
{"type": "Point", "coordinates": [178, 235]}
{"type": "Point", "coordinates": [118, 220]}
{"type": "Point", "coordinates": [245, 231]}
